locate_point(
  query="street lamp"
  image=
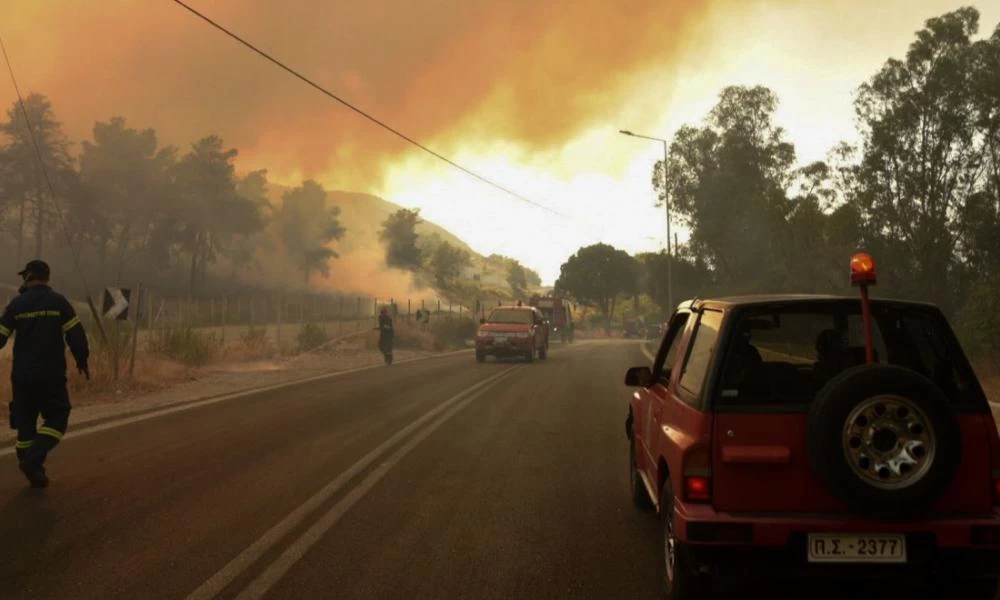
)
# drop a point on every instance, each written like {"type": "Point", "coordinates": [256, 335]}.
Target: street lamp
{"type": "Point", "coordinates": [666, 203]}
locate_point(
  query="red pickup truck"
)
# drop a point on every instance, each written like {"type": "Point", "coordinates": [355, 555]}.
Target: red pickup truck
{"type": "Point", "coordinates": [511, 332]}
{"type": "Point", "coordinates": [817, 436]}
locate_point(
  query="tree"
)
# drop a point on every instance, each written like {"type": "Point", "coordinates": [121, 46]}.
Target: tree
{"type": "Point", "coordinates": [532, 277]}
{"type": "Point", "coordinates": [40, 136]}
{"type": "Point", "coordinates": [517, 279]}
{"type": "Point", "coordinates": [446, 264]}
{"type": "Point", "coordinates": [597, 275]}
{"type": "Point", "coordinates": [245, 245]}
{"type": "Point", "coordinates": [922, 154]}
{"type": "Point", "coordinates": [727, 181]}
{"type": "Point", "coordinates": [690, 278]}
{"type": "Point", "coordinates": [307, 225]}
{"type": "Point", "coordinates": [209, 210]}
{"type": "Point", "coordinates": [399, 235]}
{"type": "Point", "coordinates": [127, 177]}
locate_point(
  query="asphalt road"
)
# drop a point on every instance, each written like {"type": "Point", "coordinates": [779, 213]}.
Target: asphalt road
{"type": "Point", "coordinates": [435, 479]}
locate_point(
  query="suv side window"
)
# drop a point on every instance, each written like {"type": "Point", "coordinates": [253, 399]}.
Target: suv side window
{"type": "Point", "coordinates": [702, 348]}
{"type": "Point", "coordinates": [666, 358]}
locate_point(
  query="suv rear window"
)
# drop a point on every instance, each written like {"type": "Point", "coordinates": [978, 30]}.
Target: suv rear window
{"type": "Point", "coordinates": [785, 354]}
{"type": "Point", "coordinates": [701, 352]}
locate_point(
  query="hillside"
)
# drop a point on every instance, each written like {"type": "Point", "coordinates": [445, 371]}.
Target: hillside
{"type": "Point", "coordinates": [361, 266]}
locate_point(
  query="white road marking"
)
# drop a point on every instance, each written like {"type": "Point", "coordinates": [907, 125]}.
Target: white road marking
{"type": "Point", "coordinates": [215, 584]}
{"type": "Point", "coordinates": [73, 434]}
{"type": "Point", "coordinates": [645, 350]}
{"type": "Point", "coordinates": [260, 586]}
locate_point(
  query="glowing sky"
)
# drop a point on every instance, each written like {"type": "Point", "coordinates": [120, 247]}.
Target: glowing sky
{"type": "Point", "coordinates": [530, 93]}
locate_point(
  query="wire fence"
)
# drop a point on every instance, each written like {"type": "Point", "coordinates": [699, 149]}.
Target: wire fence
{"type": "Point", "coordinates": [277, 316]}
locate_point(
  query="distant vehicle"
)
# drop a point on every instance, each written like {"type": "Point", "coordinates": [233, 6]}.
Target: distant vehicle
{"type": "Point", "coordinates": [513, 331]}
{"type": "Point", "coordinates": [632, 328]}
{"type": "Point", "coordinates": [814, 434]}
{"type": "Point", "coordinates": [558, 312]}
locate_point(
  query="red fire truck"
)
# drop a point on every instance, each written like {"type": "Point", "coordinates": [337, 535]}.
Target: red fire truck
{"type": "Point", "coordinates": [559, 313]}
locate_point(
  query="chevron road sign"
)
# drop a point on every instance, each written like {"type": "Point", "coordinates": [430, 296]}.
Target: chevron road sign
{"type": "Point", "coordinates": [116, 303]}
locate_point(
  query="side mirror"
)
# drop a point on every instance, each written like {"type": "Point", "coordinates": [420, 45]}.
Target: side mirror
{"type": "Point", "coordinates": [482, 321]}
{"type": "Point", "coordinates": [639, 377]}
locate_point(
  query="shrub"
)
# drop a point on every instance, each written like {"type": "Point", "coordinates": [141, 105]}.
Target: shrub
{"type": "Point", "coordinates": [311, 336]}
{"type": "Point", "coordinates": [185, 345]}
{"type": "Point", "coordinates": [453, 332]}
{"type": "Point", "coordinates": [255, 338]}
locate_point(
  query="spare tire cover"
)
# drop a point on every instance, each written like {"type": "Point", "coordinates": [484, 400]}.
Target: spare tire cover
{"type": "Point", "coordinates": [884, 440]}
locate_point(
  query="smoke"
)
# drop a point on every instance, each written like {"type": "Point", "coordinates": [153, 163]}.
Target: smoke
{"type": "Point", "coordinates": [363, 271]}
{"type": "Point", "coordinates": [444, 71]}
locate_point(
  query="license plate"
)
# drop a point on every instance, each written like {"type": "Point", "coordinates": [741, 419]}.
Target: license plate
{"type": "Point", "coordinates": [856, 548]}
{"type": "Point", "coordinates": [499, 340]}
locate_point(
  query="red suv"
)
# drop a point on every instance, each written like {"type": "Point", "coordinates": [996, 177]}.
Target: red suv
{"type": "Point", "coordinates": [513, 331]}
{"type": "Point", "coordinates": [816, 436]}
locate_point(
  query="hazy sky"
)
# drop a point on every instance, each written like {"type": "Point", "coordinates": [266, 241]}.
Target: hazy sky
{"type": "Point", "coordinates": [530, 93]}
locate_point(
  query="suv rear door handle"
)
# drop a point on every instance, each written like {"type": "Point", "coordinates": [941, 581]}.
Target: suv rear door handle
{"type": "Point", "coordinates": [756, 454]}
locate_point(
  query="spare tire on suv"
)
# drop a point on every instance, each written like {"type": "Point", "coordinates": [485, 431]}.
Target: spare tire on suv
{"type": "Point", "coordinates": [884, 440]}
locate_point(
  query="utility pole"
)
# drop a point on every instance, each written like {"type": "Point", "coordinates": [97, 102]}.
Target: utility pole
{"type": "Point", "coordinates": [666, 204]}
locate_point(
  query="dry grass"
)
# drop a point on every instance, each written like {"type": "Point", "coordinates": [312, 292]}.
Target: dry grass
{"type": "Point", "coordinates": [248, 353]}
{"type": "Point", "coordinates": [152, 373]}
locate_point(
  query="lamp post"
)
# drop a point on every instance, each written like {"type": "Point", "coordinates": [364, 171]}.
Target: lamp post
{"type": "Point", "coordinates": [666, 203]}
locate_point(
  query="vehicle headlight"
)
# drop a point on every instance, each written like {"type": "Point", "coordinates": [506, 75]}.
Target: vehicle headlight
{"type": "Point", "coordinates": [485, 334]}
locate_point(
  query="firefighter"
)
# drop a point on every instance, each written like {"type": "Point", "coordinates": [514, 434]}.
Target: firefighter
{"type": "Point", "coordinates": [41, 319]}
{"type": "Point", "coordinates": [385, 335]}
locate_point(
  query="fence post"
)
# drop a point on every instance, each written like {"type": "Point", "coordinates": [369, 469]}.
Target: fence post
{"type": "Point", "coordinates": [225, 309]}
{"type": "Point", "coordinates": [279, 306]}
{"type": "Point", "coordinates": [407, 310]}
{"type": "Point", "coordinates": [319, 305]}
{"type": "Point", "coordinates": [136, 322]}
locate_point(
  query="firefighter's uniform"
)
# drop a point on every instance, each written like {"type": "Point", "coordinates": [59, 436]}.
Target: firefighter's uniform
{"type": "Point", "coordinates": [41, 319]}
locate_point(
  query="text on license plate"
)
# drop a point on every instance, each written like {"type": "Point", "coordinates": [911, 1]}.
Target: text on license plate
{"type": "Point", "coordinates": [857, 548]}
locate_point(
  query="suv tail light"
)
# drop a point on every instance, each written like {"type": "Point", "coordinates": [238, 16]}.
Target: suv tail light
{"type": "Point", "coordinates": [698, 476]}
{"type": "Point", "coordinates": [697, 488]}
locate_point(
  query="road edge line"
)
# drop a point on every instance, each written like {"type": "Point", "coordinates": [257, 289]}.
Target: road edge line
{"type": "Point", "coordinates": [145, 415]}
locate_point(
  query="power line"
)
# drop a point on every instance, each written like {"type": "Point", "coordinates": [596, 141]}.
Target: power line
{"type": "Point", "coordinates": [364, 113]}
{"type": "Point", "coordinates": [51, 188]}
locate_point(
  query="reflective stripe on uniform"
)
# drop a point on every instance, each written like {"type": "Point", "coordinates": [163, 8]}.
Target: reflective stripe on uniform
{"type": "Point", "coordinates": [71, 324]}
{"type": "Point", "coordinates": [4, 331]}
{"type": "Point", "coordinates": [37, 314]}
{"type": "Point", "coordinates": [50, 432]}
{"type": "Point", "coordinates": [22, 445]}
